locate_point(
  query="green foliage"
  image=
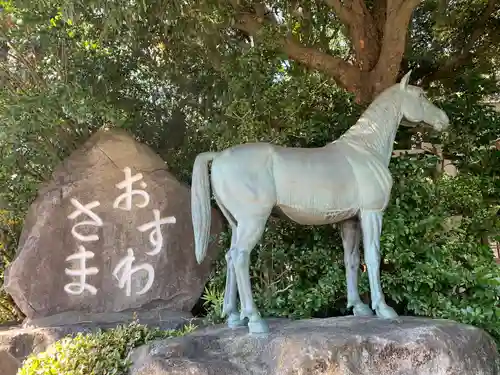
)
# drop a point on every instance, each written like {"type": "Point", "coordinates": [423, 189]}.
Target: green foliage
{"type": "Point", "coordinates": [436, 261]}
{"type": "Point", "coordinates": [212, 301]}
{"type": "Point", "coordinates": [99, 353]}
{"type": "Point", "coordinates": [456, 42]}
{"type": "Point", "coordinates": [471, 140]}
{"type": "Point", "coordinates": [10, 226]}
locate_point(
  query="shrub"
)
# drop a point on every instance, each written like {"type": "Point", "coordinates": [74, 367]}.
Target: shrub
{"type": "Point", "coordinates": [99, 353]}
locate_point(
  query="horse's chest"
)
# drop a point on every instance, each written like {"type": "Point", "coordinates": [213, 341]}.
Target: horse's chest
{"type": "Point", "coordinates": [374, 181]}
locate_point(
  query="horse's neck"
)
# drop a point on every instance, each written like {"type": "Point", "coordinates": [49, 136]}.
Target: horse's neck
{"type": "Point", "coordinates": [376, 128]}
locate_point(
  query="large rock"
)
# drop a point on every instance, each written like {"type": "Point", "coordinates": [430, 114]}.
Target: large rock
{"type": "Point", "coordinates": [154, 317]}
{"type": "Point", "coordinates": [84, 219]}
{"type": "Point", "coordinates": [335, 346]}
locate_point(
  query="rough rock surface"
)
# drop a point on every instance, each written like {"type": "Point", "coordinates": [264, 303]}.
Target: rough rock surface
{"type": "Point", "coordinates": [334, 346]}
{"type": "Point", "coordinates": [43, 281]}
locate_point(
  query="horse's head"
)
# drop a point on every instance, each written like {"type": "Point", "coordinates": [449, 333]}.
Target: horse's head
{"type": "Point", "coordinates": [416, 107]}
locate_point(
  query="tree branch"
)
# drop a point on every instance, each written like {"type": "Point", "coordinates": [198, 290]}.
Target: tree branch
{"type": "Point", "coordinates": [398, 16]}
{"type": "Point", "coordinates": [342, 11]}
{"type": "Point", "coordinates": [379, 15]}
{"type": "Point", "coordinates": [361, 28]}
{"type": "Point", "coordinates": [345, 74]}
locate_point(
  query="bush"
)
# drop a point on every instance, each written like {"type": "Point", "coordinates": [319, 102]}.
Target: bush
{"type": "Point", "coordinates": [99, 353]}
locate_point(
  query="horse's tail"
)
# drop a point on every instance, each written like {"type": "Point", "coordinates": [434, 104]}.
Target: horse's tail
{"type": "Point", "coordinates": [200, 204]}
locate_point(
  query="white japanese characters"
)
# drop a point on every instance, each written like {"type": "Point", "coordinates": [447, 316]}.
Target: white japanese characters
{"type": "Point", "coordinates": [87, 210]}
{"type": "Point", "coordinates": [127, 273]}
{"type": "Point", "coordinates": [77, 287]}
{"type": "Point", "coordinates": [156, 237]}
{"type": "Point", "coordinates": [130, 192]}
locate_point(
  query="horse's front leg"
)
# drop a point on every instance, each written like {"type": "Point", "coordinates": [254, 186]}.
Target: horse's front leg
{"type": "Point", "coordinates": [230, 308]}
{"type": "Point", "coordinates": [249, 233]}
{"type": "Point", "coordinates": [371, 224]}
{"type": "Point", "coordinates": [350, 232]}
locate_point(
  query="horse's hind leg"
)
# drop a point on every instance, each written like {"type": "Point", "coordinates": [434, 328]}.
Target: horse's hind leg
{"type": "Point", "coordinates": [350, 231]}
{"type": "Point", "coordinates": [249, 232]}
{"type": "Point", "coordinates": [230, 307]}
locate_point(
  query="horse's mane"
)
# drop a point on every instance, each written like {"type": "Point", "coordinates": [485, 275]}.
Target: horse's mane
{"type": "Point", "coordinates": [378, 122]}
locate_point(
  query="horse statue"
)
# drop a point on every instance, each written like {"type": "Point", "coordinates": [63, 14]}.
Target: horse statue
{"type": "Point", "coordinates": [346, 181]}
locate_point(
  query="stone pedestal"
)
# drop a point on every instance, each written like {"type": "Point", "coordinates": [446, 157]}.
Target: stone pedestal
{"type": "Point", "coordinates": [334, 346]}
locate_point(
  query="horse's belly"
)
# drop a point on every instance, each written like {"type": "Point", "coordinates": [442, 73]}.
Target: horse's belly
{"type": "Point", "coordinates": [306, 216]}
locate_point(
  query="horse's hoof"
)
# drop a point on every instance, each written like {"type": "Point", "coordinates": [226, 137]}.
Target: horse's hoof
{"type": "Point", "coordinates": [384, 311]}
{"type": "Point", "coordinates": [258, 326]}
{"type": "Point", "coordinates": [362, 309]}
{"type": "Point", "coordinates": [234, 321]}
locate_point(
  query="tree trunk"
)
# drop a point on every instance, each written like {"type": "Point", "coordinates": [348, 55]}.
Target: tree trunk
{"type": "Point", "coordinates": [378, 38]}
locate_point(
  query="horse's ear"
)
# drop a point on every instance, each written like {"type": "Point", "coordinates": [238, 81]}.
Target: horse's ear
{"type": "Point", "coordinates": [404, 81]}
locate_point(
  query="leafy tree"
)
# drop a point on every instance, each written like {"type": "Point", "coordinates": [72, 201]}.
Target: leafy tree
{"type": "Point", "coordinates": [360, 44]}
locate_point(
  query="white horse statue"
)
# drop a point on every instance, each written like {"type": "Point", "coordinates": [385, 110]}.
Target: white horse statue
{"type": "Point", "coordinates": [346, 182]}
